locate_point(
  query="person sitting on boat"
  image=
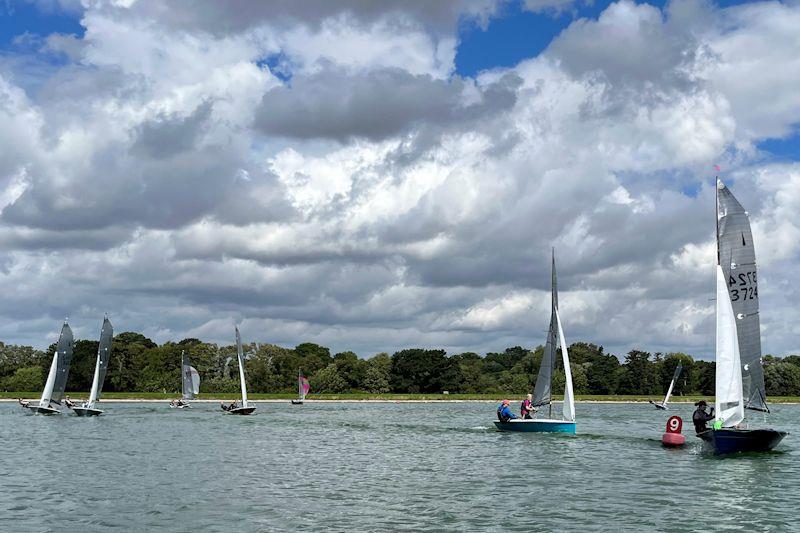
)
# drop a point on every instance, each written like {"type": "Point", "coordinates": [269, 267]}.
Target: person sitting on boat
{"type": "Point", "coordinates": [68, 402]}
{"type": "Point", "coordinates": [701, 416]}
{"type": "Point", "coordinates": [526, 408]}
{"type": "Point", "coordinates": [179, 403]}
{"type": "Point", "coordinates": [504, 413]}
{"type": "Point", "coordinates": [23, 403]}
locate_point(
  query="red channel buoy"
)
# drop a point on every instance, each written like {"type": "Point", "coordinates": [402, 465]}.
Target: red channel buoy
{"type": "Point", "coordinates": [673, 438]}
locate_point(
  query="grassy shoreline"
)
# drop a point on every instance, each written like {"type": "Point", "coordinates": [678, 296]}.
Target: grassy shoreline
{"type": "Point", "coordinates": [215, 397]}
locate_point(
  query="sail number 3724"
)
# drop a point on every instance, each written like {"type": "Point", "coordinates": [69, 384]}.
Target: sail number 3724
{"type": "Point", "coordinates": [743, 286]}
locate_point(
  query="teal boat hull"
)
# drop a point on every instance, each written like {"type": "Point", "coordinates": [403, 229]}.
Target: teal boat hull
{"type": "Point", "coordinates": [537, 426]}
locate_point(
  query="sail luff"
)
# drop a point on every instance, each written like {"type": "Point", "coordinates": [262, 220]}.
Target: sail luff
{"type": "Point", "coordinates": [240, 354]}
{"type": "Point", "coordinates": [568, 409]}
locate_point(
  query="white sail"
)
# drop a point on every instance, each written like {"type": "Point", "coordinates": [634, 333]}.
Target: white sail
{"type": "Point", "coordinates": [240, 353]}
{"type": "Point", "coordinates": [101, 366]}
{"type": "Point", "coordinates": [729, 403]}
{"type": "Point", "coordinates": [47, 393]}
{"type": "Point", "coordinates": [569, 398]}
{"type": "Point", "coordinates": [95, 383]}
{"type": "Point", "coordinates": [672, 384]}
{"type": "Point", "coordinates": [300, 392]}
{"type": "Point", "coordinates": [195, 380]}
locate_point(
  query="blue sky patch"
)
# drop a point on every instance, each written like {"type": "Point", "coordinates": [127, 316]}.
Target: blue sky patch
{"type": "Point", "coordinates": [18, 18]}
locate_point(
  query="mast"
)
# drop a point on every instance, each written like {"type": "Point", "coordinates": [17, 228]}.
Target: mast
{"type": "Point", "coordinates": [542, 391]}
{"type": "Point", "coordinates": [240, 354]}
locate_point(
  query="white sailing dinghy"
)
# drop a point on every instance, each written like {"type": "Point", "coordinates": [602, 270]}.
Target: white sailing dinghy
{"type": "Point", "coordinates": [542, 390]}
{"type": "Point", "coordinates": [100, 369]}
{"type": "Point", "coordinates": [57, 377]}
{"type": "Point", "coordinates": [663, 405]}
{"type": "Point", "coordinates": [245, 408]}
{"type": "Point", "coordinates": [190, 383]}
{"type": "Point", "coordinates": [739, 381]}
{"type": "Point", "coordinates": [302, 388]}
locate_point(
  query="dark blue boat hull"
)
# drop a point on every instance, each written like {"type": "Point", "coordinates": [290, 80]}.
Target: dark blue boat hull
{"type": "Point", "coordinates": [731, 440]}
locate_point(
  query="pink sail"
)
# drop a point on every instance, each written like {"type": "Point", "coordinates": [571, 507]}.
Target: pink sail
{"type": "Point", "coordinates": [304, 386]}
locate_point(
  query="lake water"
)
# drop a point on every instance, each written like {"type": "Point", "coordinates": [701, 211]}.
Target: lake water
{"type": "Point", "coordinates": [381, 467]}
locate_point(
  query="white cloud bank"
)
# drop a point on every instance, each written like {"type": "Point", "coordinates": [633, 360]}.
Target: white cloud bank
{"type": "Point", "coordinates": [376, 200]}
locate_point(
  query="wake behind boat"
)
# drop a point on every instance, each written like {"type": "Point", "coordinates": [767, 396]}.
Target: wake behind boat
{"type": "Point", "coordinates": [235, 408]}
{"type": "Point", "coordinates": [100, 369]}
{"type": "Point", "coordinates": [542, 390]}
{"type": "Point", "coordinates": [57, 377]}
{"type": "Point", "coordinates": [739, 379]}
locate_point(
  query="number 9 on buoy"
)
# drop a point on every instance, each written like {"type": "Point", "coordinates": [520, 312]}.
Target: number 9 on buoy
{"type": "Point", "coordinates": [673, 438]}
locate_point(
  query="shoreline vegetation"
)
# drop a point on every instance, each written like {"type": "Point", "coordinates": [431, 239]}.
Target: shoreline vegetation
{"type": "Point", "coordinates": [385, 398]}
{"type": "Point", "coordinates": [140, 368]}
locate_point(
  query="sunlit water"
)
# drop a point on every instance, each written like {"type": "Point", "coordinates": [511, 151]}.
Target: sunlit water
{"type": "Point", "coordinates": [381, 467]}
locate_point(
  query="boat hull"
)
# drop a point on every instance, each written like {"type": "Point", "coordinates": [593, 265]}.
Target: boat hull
{"type": "Point", "coordinates": [731, 440]}
{"type": "Point", "coordinates": [87, 411]}
{"type": "Point", "coordinates": [35, 409]}
{"type": "Point", "coordinates": [241, 410]}
{"type": "Point", "coordinates": [184, 406]}
{"type": "Point", "coordinates": [537, 426]}
{"type": "Point", "coordinates": [297, 402]}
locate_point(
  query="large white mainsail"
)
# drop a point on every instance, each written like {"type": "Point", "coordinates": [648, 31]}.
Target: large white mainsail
{"type": "Point", "coordinates": [101, 366]}
{"type": "Point", "coordinates": [672, 384]}
{"type": "Point", "coordinates": [59, 370]}
{"type": "Point", "coordinates": [240, 354]}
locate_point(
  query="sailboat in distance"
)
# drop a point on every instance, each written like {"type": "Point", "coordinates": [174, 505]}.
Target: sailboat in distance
{"type": "Point", "coordinates": [739, 381]}
{"type": "Point", "coordinates": [190, 384]}
{"type": "Point", "coordinates": [542, 390]}
{"type": "Point", "coordinates": [100, 369]}
{"type": "Point", "coordinates": [57, 377]}
{"type": "Point", "coordinates": [302, 388]}
{"type": "Point", "coordinates": [663, 405]}
{"type": "Point", "coordinates": [244, 408]}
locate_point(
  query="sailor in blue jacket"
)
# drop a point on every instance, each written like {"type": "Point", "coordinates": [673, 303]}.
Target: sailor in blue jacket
{"type": "Point", "coordinates": [504, 413]}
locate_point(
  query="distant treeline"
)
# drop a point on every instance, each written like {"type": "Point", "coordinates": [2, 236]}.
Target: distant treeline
{"type": "Point", "coordinates": [140, 365]}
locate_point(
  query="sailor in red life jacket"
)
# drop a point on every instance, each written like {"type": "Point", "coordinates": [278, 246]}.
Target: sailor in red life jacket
{"type": "Point", "coordinates": [526, 408]}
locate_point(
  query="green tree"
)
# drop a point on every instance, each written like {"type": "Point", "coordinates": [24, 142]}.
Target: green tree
{"type": "Point", "coordinates": [25, 379]}
{"type": "Point", "coordinates": [329, 380]}
{"type": "Point", "coordinates": [376, 378]}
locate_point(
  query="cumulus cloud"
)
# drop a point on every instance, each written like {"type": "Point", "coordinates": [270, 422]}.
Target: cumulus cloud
{"type": "Point", "coordinates": [369, 198]}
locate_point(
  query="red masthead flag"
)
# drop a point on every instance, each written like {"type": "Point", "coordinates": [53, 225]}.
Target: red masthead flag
{"type": "Point", "coordinates": [716, 167]}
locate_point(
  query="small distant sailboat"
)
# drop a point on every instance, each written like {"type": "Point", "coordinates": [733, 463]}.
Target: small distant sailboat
{"type": "Point", "coordinates": [100, 369]}
{"type": "Point", "coordinates": [739, 380]}
{"type": "Point", "coordinates": [245, 408]}
{"type": "Point", "coordinates": [663, 405]}
{"type": "Point", "coordinates": [57, 377]}
{"type": "Point", "coordinates": [302, 389]}
{"type": "Point", "coordinates": [190, 383]}
{"type": "Point", "coordinates": [542, 390]}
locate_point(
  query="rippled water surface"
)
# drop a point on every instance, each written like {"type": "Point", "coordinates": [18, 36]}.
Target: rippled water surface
{"type": "Point", "coordinates": [381, 467]}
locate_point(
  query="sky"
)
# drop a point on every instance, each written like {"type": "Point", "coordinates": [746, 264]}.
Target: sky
{"type": "Point", "coordinates": [372, 176]}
